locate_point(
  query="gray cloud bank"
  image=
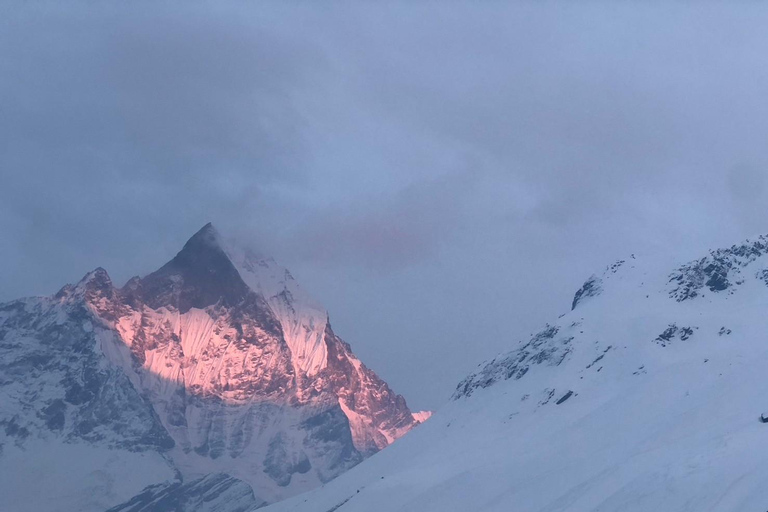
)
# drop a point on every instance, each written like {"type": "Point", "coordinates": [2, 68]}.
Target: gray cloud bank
{"type": "Point", "coordinates": [441, 176]}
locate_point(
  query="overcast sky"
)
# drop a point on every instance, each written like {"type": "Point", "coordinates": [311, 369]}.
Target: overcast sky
{"type": "Point", "coordinates": [443, 177]}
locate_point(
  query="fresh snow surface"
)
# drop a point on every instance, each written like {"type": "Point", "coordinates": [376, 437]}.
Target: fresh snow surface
{"type": "Point", "coordinates": [303, 319]}
{"type": "Point", "coordinates": [646, 396]}
{"type": "Point", "coordinates": [213, 375]}
{"type": "Point", "coordinates": [50, 476]}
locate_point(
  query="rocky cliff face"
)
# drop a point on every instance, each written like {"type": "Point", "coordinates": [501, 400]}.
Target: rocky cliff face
{"type": "Point", "coordinates": [218, 361]}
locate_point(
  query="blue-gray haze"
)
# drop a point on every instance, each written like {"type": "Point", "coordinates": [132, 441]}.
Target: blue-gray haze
{"type": "Point", "coordinates": [442, 176]}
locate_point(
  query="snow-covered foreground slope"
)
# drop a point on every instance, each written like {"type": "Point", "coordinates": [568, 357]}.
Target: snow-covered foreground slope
{"type": "Point", "coordinates": [214, 377]}
{"type": "Point", "coordinates": [53, 476]}
{"type": "Point", "coordinates": [646, 396]}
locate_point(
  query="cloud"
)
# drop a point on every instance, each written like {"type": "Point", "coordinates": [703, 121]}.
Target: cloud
{"type": "Point", "coordinates": [441, 176]}
{"type": "Point", "coordinates": [121, 127]}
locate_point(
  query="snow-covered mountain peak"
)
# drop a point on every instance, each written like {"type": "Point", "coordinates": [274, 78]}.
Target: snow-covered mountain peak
{"type": "Point", "coordinates": [97, 279]}
{"type": "Point", "coordinates": [212, 269]}
{"type": "Point", "coordinates": [722, 270]}
{"type": "Point", "coordinates": [648, 394]}
{"type": "Point", "coordinates": [303, 319]}
{"type": "Point", "coordinates": [200, 275]}
{"type": "Point", "coordinates": [208, 234]}
{"type": "Point", "coordinates": [217, 362]}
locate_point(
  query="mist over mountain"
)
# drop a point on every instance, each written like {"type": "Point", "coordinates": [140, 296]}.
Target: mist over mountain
{"type": "Point", "coordinates": [510, 209]}
{"type": "Point", "coordinates": [460, 160]}
{"type": "Point", "coordinates": [214, 375]}
{"type": "Point", "coordinates": [646, 395]}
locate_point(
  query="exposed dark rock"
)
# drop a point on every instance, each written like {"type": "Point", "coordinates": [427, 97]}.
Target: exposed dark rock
{"type": "Point", "coordinates": [200, 275]}
{"type": "Point", "coordinates": [281, 463]}
{"type": "Point", "coordinates": [97, 402]}
{"type": "Point", "coordinates": [364, 392]}
{"type": "Point", "coordinates": [719, 271]}
{"type": "Point", "coordinates": [544, 348]}
{"type": "Point", "coordinates": [599, 358]}
{"type": "Point", "coordinates": [672, 332]}
{"type": "Point", "coordinates": [216, 492]}
{"type": "Point", "coordinates": [329, 437]}
{"type": "Point", "coordinates": [591, 288]}
{"type": "Point", "coordinates": [548, 394]}
{"type": "Point", "coordinates": [54, 414]}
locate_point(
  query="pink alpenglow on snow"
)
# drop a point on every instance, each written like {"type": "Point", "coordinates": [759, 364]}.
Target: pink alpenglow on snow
{"type": "Point", "coordinates": [229, 367]}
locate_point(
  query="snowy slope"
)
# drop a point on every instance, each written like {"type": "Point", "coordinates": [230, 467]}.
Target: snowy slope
{"type": "Point", "coordinates": [302, 319]}
{"type": "Point", "coordinates": [646, 396]}
{"type": "Point", "coordinates": [214, 374]}
{"type": "Point", "coordinates": [216, 492]}
{"type": "Point", "coordinates": [74, 434]}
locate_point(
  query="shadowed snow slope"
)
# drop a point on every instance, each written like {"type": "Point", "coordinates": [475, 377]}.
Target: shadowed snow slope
{"type": "Point", "coordinates": [210, 375]}
{"type": "Point", "coordinates": [646, 396]}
